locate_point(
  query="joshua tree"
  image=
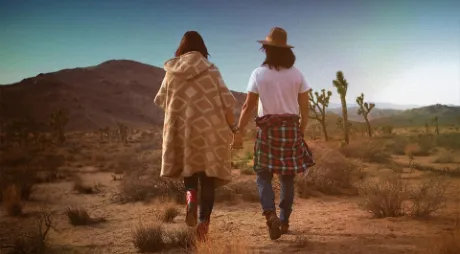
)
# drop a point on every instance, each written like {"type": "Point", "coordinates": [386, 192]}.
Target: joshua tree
{"type": "Point", "coordinates": [58, 121]}
{"type": "Point", "coordinates": [339, 123]}
{"type": "Point", "coordinates": [122, 132]}
{"type": "Point", "coordinates": [104, 132]}
{"type": "Point", "coordinates": [342, 86]}
{"type": "Point", "coordinates": [364, 110]}
{"type": "Point", "coordinates": [436, 125]}
{"type": "Point", "coordinates": [318, 104]}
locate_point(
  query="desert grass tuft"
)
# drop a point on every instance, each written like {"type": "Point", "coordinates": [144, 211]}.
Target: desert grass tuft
{"type": "Point", "coordinates": [12, 203]}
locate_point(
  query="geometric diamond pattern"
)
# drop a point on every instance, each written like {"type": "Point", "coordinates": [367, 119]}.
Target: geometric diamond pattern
{"type": "Point", "coordinates": [196, 137]}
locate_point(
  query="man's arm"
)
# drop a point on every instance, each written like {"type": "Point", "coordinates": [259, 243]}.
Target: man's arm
{"type": "Point", "coordinates": [247, 109]}
{"type": "Point", "coordinates": [304, 106]}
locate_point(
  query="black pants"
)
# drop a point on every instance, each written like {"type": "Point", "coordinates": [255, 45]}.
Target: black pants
{"type": "Point", "coordinates": [206, 194]}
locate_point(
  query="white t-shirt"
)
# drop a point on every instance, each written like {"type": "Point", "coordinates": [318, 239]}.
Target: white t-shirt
{"type": "Point", "coordinates": [278, 90]}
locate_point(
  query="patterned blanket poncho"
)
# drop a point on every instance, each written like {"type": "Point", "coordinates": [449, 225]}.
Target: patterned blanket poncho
{"type": "Point", "coordinates": [280, 146]}
{"type": "Point", "coordinates": [196, 136]}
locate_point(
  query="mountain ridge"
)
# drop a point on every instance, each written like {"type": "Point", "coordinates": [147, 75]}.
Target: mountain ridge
{"type": "Point", "coordinates": [113, 91]}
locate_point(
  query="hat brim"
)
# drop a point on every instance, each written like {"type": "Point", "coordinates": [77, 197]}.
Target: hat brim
{"type": "Point", "coordinates": [270, 43]}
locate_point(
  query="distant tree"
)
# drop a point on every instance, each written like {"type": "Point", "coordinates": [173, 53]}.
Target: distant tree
{"type": "Point", "coordinates": [436, 125]}
{"type": "Point", "coordinates": [339, 123]}
{"type": "Point", "coordinates": [21, 131]}
{"type": "Point", "coordinates": [364, 110]}
{"type": "Point", "coordinates": [58, 121]}
{"type": "Point", "coordinates": [427, 128]}
{"type": "Point", "coordinates": [318, 104]}
{"type": "Point", "coordinates": [388, 129]}
{"type": "Point", "coordinates": [122, 132]}
{"type": "Point", "coordinates": [104, 132]}
{"type": "Point", "coordinates": [342, 86]}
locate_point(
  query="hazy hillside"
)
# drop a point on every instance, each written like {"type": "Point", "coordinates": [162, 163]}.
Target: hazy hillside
{"type": "Point", "coordinates": [447, 115]}
{"type": "Point", "coordinates": [375, 113]}
{"type": "Point", "coordinates": [97, 96]}
{"type": "Point", "coordinates": [381, 105]}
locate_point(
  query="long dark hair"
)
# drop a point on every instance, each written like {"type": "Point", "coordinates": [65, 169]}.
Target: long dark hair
{"type": "Point", "coordinates": [192, 41]}
{"type": "Point", "coordinates": [278, 57]}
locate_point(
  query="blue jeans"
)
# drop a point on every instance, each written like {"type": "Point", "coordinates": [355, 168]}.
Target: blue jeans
{"type": "Point", "coordinates": [267, 196]}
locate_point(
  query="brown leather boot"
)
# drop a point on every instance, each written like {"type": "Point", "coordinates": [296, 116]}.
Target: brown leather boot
{"type": "Point", "coordinates": [284, 228]}
{"type": "Point", "coordinates": [273, 224]}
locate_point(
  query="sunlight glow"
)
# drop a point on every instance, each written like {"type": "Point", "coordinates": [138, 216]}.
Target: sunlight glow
{"type": "Point", "coordinates": [428, 84]}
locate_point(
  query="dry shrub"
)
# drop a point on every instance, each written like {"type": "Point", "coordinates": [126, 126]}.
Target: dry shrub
{"type": "Point", "coordinates": [183, 238]}
{"type": "Point", "coordinates": [79, 216]}
{"type": "Point", "coordinates": [397, 145]}
{"type": "Point", "coordinates": [367, 151]}
{"type": "Point", "coordinates": [142, 180]}
{"type": "Point", "coordinates": [139, 185]}
{"type": "Point", "coordinates": [49, 164]}
{"type": "Point", "coordinates": [12, 203]}
{"type": "Point", "coordinates": [332, 174]}
{"type": "Point", "coordinates": [23, 177]}
{"type": "Point", "coordinates": [426, 144]}
{"type": "Point", "coordinates": [246, 190]}
{"type": "Point", "coordinates": [169, 214]}
{"type": "Point", "coordinates": [445, 157]}
{"type": "Point", "coordinates": [416, 149]}
{"type": "Point", "coordinates": [81, 187]}
{"type": "Point", "coordinates": [223, 246]}
{"type": "Point", "coordinates": [449, 140]}
{"type": "Point", "coordinates": [428, 197]}
{"type": "Point", "coordinates": [128, 162]}
{"type": "Point", "coordinates": [34, 240]}
{"type": "Point", "coordinates": [384, 197]}
{"type": "Point", "coordinates": [225, 194]}
{"type": "Point", "coordinates": [148, 239]}
{"type": "Point", "coordinates": [155, 238]}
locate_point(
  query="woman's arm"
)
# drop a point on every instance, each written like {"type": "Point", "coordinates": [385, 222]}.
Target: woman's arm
{"type": "Point", "coordinates": [230, 117]}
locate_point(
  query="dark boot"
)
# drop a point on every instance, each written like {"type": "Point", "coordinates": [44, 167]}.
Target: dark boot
{"type": "Point", "coordinates": [202, 231]}
{"type": "Point", "coordinates": [284, 228]}
{"type": "Point", "coordinates": [191, 216]}
{"type": "Point", "coordinates": [273, 224]}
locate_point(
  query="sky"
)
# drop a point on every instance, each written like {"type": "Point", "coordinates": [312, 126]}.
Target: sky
{"type": "Point", "coordinates": [394, 51]}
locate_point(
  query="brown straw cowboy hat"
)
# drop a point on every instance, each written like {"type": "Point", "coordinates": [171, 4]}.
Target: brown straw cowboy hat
{"type": "Point", "coordinates": [277, 38]}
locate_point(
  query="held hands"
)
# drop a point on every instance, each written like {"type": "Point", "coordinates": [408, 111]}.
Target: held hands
{"type": "Point", "coordinates": [237, 142]}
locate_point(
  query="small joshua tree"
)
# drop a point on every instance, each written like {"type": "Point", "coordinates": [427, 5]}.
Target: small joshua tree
{"type": "Point", "coordinates": [318, 104]}
{"type": "Point", "coordinates": [122, 132]}
{"type": "Point", "coordinates": [339, 123]}
{"type": "Point", "coordinates": [104, 132]}
{"type": "Point", "coordinates": [58, 121]}
{"type": "Point", "coordinates": [342, 86]}
{"type": "Point", "coordinates": [364, 110]}
{"type": "Point", "coordinates": [436, 125]}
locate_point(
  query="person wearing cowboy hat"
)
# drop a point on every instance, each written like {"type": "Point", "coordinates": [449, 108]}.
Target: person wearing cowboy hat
{"type": "Point", "coordinates": [280, 93]}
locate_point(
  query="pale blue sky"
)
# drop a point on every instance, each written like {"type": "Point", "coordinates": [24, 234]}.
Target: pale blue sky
{"type": "Point", "coordinates": [405, 52]}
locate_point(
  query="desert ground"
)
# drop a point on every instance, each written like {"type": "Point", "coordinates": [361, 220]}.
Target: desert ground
{"type": "Point", "coordinates": [396, 192]}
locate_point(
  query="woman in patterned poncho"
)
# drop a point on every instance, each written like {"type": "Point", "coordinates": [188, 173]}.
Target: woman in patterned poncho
{"type": "Point", "coordinates": [197, 128]}
{"type": "Point", "coordinates": [282, 96]}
